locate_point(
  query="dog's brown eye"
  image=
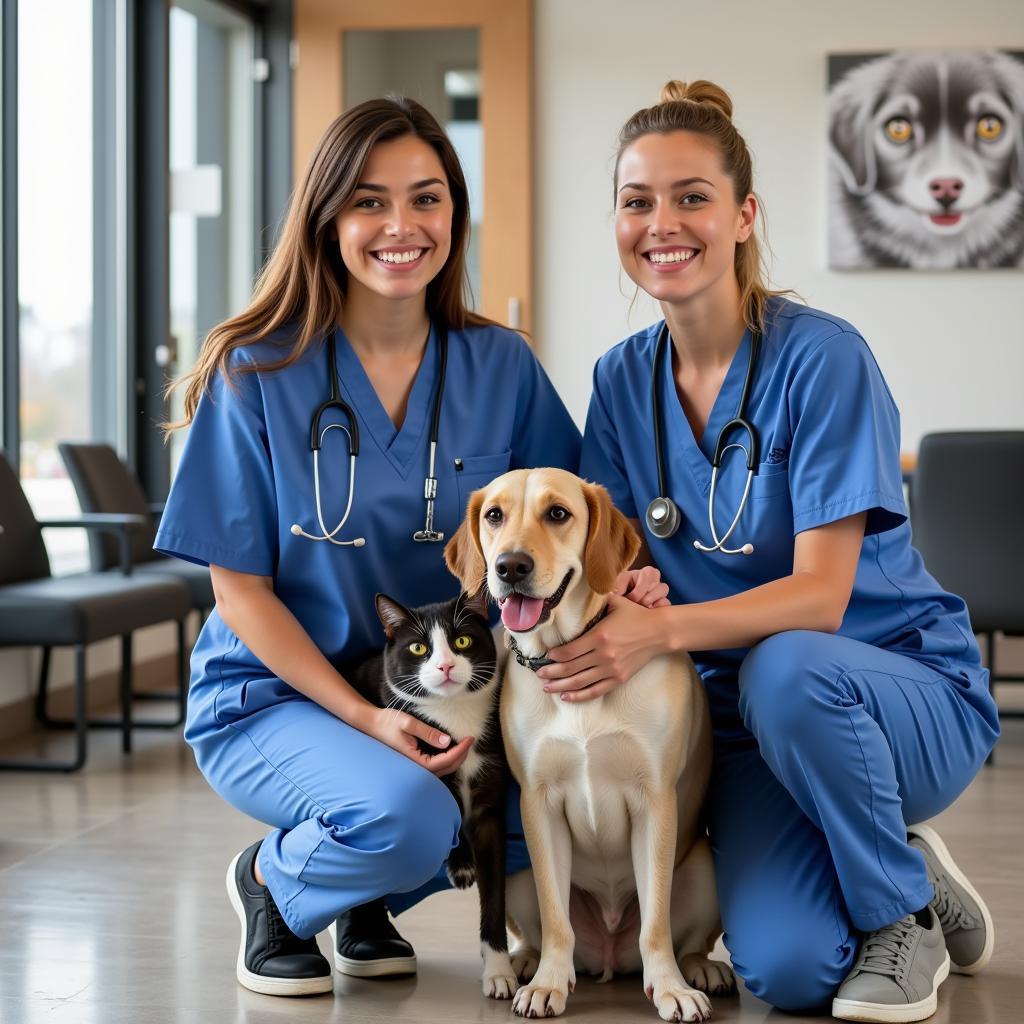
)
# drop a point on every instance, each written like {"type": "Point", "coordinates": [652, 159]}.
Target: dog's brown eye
{"type": "Point", "coordinates": [557, 514]}
{"type": "Point", "coordinates": [898, 129]}
{"type": "Point", "coordinates": [989, 127]}
{"type": "Point", "coordinates": [493, 515]}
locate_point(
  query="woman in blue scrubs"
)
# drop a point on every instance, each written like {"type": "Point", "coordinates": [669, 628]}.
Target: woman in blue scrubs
{"type": "Point", "coordinates": [847, 694]}
{"type": "Point", "coordinates": [372, 256]}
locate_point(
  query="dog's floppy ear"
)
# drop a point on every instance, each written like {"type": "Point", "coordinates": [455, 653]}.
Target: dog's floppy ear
{"type": "Point", "coordinates": [391, 614]}
{"type": "Point", "coordinates": [612, 543]}
{"type": "Point", "coordinates": [851, 104]}
{"type": "Point", "coordinates": [463, 554]}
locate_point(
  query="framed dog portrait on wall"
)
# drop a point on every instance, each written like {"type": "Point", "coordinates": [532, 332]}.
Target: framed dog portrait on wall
{"type": "Point", "coordinates": [926, 168]}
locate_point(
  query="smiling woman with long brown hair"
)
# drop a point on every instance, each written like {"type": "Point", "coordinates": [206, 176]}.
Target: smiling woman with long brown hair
{"type": "Point", "coordinates": [304, 515]}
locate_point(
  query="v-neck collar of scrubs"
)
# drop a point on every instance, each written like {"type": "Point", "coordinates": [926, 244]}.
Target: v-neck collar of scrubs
{"type": "Point", "coordinates": [699, 455]}
{"type": "Point", "coordinates": [399, 446]}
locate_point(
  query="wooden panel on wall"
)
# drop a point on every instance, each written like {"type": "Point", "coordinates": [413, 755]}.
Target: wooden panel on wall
{"type": "Point", "coordinates": [506, 69]}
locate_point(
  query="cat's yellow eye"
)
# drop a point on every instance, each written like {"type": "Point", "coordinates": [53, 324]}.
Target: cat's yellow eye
{"type": "Point", "coordinates": [898, 129]}
{"type": "Point", "coordinates": [463, 643]}
{"type": "Point", "coordinates": [989, 127]}
{"type": "Point", "coordinates": [417, 648]}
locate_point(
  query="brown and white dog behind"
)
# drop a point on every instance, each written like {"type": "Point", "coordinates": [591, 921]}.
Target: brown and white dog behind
{"type": "Point", "coordinates": [612, 788]}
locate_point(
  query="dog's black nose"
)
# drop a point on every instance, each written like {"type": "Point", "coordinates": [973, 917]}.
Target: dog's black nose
{"type": "Point", "coordinates": [513, 566]}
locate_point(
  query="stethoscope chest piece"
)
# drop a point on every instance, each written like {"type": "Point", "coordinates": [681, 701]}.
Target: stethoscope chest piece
{"type": "Point", "coordinates": [663, 518]}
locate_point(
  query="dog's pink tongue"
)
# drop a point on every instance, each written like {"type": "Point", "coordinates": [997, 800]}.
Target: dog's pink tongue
{"type": "Point", "coordinates": [520, 613]}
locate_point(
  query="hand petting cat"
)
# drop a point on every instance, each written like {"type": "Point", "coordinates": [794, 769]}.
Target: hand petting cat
{"type": "Point", "coordinates": [400, 730]}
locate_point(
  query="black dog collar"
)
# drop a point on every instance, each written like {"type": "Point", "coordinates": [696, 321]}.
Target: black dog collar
{"type": "Point", "coordinates": [535, 663]}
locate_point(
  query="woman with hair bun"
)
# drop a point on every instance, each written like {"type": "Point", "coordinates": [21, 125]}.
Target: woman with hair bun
{"type": "Point", "coordinates": [847, 695]}
{"type": "Point", "coordinates": [363, 303]}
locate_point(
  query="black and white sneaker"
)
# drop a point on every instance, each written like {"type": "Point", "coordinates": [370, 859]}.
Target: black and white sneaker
{"type": "Point", "coordinates": [272, 959]}
{"type": "Point", "coordinates": [367, 944]}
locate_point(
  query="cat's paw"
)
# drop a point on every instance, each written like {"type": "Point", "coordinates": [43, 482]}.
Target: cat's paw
{"type": "Point", "coordinates": [499, 979]}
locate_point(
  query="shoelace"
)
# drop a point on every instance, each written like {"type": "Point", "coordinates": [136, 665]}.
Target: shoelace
{"type": "Point", "coordinates": [886, 951]}
{"type": "Point", "coordinates": [949, 907]}
{"type": "Point", "coordinates": [281, 938]}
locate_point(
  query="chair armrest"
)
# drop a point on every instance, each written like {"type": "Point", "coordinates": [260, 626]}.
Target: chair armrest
{"type": "Point", "coordinates": [121, 524]}
{"type": "Point", "coordinates": [156, 510]}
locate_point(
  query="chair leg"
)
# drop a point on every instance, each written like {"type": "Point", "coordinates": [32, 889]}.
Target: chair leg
{"type": "Point", "coordinates": [44, 682]}
{"type": "Point", "coordinates": [126, 722]}
{"type": "Point", "coordinates": [126, 693]}
{"type": "Point", "coordinates": [79, 723]}
{"type": "Point", "coordinates": [179, 693]}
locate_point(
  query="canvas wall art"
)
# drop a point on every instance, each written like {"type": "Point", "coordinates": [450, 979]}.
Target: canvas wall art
{"type": "Point", "coordinates": [926, 168]}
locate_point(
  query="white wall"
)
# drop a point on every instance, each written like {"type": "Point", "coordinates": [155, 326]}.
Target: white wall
{"type": "Point", "coordinates": [950, 344]}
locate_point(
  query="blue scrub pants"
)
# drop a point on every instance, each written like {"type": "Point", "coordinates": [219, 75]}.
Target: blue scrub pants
{"type": "Point", "coordinates": [353, 820]}
{"type": "Point", "coordinates": [847, 745]}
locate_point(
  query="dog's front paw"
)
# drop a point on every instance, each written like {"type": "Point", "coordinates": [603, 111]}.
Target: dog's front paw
{"type": "Point", "coordinates": [499, 978]}
{"type": "Point", "coordinates": [711, 976]}
{"type": "Point", "coordinates": [674, 999]}
{"type": "Point", "coordinates": [545, 996]}
{"type": "Point", "coordinates": [524, 961]}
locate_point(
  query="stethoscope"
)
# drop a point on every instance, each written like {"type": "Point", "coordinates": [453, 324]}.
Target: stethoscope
{"type": "Point", "coordinates": [316, 439]}
{"type": "Point", "coordinates": [663, 516]}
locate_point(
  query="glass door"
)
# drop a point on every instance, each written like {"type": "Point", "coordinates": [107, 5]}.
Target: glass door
{"type": "Point", "coordinates": [213, 178]}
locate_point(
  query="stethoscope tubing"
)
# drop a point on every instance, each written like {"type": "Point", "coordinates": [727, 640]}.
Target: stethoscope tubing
{"type": "Point", "coordinates": [316, 438]}
{"type": "Point", "coordinates": [663, 516]}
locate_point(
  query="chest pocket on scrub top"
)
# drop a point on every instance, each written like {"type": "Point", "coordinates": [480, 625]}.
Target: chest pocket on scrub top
{"type": "Point", "coordinates": [770, 481]}
{"type": "Point", "coordinates": [478, 471]}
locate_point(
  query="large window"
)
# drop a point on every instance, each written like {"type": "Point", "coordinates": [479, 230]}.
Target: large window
{"type": "Point", "coordinates": [68, 231]}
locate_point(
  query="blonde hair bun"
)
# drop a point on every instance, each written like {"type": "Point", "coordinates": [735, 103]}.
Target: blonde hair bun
{"type": "Point", "coordinates": [700, 91]}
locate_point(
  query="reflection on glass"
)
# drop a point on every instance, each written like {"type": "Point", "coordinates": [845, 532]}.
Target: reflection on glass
{"type": "Point", "coordinates": [55, 262]}
{"type": "Point", "coordinates": [440, 69]}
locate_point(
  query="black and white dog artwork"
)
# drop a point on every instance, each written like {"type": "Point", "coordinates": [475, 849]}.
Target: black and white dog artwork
{"type": "Point", "coordinates": [927, 160]}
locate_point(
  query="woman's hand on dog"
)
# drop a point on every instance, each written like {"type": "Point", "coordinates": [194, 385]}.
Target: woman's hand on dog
{"type": "Point", "coordinates": [400, 731]}
{"type": "Point", "coordinates": [610, 653]}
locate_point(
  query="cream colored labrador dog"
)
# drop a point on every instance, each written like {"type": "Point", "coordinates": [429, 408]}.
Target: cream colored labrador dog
{"type": "Point", "coordinates": [611, 788]}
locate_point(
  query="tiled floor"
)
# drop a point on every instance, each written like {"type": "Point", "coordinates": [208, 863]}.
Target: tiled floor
{"type": "Point", "coordinates": [112, 909]}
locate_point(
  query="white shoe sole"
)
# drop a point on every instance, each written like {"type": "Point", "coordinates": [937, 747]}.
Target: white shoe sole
{"type": "Point", "coordinates": [883, 1013]}
{"type": "Point", "coordinates": [257, 982]}
{"type": "Point", "coordinates": [386, 968]}
{"type": "Point", "coordinates": [934, 840]}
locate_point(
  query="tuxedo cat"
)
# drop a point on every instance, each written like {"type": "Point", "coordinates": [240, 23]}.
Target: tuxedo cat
{"type": "Point", "coordinates": [440, 665]}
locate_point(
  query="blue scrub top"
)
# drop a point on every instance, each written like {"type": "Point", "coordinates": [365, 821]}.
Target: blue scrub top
{"type": "Point", "coordinates": [829, 448]}
{"type": "Point", "coordinates": [246, 475]}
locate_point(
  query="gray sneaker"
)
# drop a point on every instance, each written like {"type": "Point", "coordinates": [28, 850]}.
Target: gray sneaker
{"type": "Point", "coordinates": [897, 974]}
{"type": "Point", "coordinates": [966, 922]}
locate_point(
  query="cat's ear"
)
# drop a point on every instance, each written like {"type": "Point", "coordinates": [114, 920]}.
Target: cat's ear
{"type": "Point", "coordinates": [477, 602]}
{"type": "Point", "coordinates": [463, 554]}
{"type": "Point", "coordinates": [391, 614]}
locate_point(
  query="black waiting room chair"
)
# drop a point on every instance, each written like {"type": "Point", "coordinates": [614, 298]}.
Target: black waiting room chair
{"type": "Point", "coordinates": [966, 501]}
{"type": "Point", "coordinates": [104, 483]}
{"type": "Point", "coordinates": [41, 610]}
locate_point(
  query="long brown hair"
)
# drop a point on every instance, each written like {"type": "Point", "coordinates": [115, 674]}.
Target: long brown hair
{"type": "Point", "coordinates": [706, 109]}
{"type": "Point", "coordinates": [303, 282]}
